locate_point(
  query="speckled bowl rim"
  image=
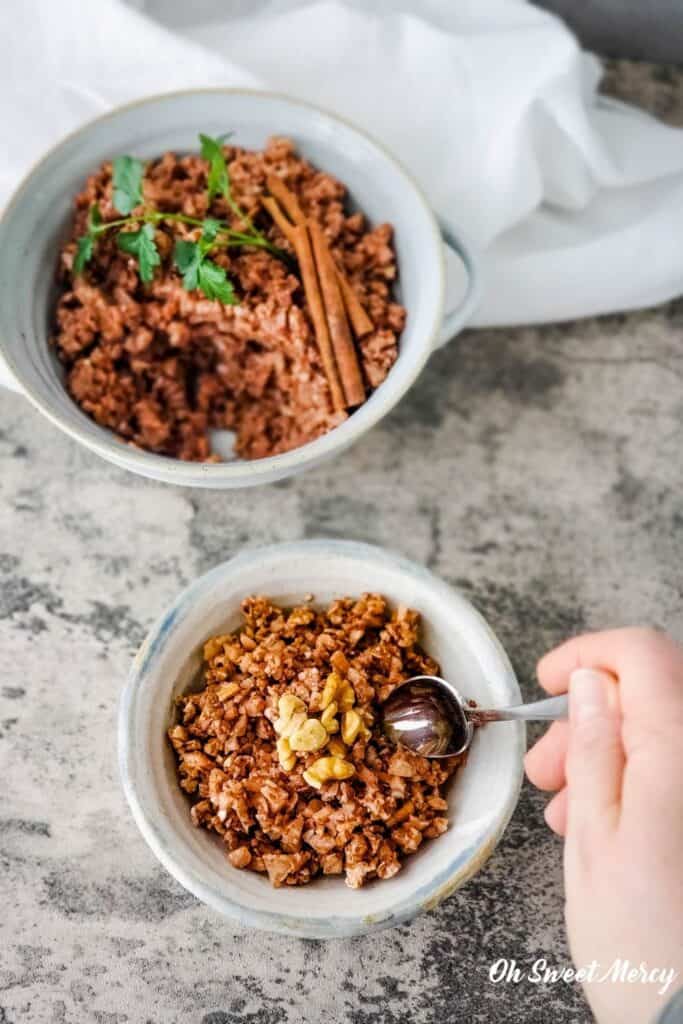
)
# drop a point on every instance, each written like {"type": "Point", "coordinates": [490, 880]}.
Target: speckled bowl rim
{"type": "Point", "coordinates": [247, 473]}
{"type": "Point", "coordinates": [424, 897]}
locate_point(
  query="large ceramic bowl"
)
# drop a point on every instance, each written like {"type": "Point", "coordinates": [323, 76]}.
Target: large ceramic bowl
{"type": "Point", "coordinates": [37, 220]}
{"type": "Point", "coordinates": [481, 798]}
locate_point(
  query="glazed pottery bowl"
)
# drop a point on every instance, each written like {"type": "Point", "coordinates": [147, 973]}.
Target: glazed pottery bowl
{"type": "Point", "coordinates": [481, 798]}
{"type": "Point", "coordinates": [37, 220]}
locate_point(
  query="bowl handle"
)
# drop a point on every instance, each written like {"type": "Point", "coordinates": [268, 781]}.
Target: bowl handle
{"type": "Point", "coordinates": [7, 378]}
{"type": "Point", "coordinates": [457, 317]}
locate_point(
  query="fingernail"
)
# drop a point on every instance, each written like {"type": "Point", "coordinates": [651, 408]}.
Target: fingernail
{"type": "Point", "coordinates": [591, 693]}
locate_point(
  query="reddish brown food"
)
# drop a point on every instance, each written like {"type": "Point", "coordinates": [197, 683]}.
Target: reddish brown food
{"type": "Point", "coordinates": [336, 797]}
{"type": "Point", "coordinates": [160, 366]}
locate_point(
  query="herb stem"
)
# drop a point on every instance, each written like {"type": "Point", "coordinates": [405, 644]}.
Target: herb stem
{"type": "Point", "coordinates": [257, 239]}
{"type": "Point", "coordinates": [240, 214]}
{"type": "Point", "coordinates": [148, 217]}
{"type": "Point", "coordinates": [236, 238]}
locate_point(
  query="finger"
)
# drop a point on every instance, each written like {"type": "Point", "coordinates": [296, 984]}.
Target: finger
{"type": "Point", "coordinates": [592, 650]}
{"type": "Point", "coordinates": [556, 812]}
{"type": "Point", "coordinates": [595, 755]}
{"type": "Point", "coordinates": [545, 762]}
{"type": "Point", "coordinates": [639, 658]}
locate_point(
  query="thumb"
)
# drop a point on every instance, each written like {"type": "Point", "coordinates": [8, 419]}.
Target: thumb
{"type": "Point", "coordinates": [595, 754]}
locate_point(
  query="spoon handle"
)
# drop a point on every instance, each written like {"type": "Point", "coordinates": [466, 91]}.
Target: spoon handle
{"type": "Point", "coordinates": [546, 710]}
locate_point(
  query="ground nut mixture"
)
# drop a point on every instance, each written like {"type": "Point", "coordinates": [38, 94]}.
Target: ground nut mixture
{"type": "Point", "coordinates": [281, 752]}
{"type": "Point", "coordinates": [160, 366]}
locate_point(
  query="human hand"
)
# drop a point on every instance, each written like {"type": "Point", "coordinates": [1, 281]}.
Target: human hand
{"type": "Point", "coordinates": [617, 769]}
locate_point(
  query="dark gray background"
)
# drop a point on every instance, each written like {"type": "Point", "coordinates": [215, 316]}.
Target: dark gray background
{"type": "Point", "coordinates": [640, 29]}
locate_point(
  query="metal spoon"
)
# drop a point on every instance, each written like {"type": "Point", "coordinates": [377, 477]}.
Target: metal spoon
{"type": "Point", "coordinates": [427, 715]}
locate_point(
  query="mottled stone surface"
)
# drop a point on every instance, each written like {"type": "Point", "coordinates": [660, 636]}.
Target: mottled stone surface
{"type": "Point", "coordinates": [540, 470]}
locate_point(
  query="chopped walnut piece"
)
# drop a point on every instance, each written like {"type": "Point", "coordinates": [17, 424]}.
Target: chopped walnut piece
{"type": "Point", "coordinates": [328, 769]}
{"type": "Point", "coordinates": [309, 737]}
{"type": "Point", "coordinates": [240, 857]}
{"type": "Point", "coordinates": [332, 864]}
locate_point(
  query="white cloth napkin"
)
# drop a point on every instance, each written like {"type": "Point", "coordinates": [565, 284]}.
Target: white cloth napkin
{"type": "Point", "coordinates": [575, 203]}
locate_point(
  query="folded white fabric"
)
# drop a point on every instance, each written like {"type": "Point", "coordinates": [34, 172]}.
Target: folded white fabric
{"type": "Point", "coordinates": [575, 203]}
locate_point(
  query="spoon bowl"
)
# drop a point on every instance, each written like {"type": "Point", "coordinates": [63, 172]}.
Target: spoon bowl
{"type": "Point", "coordinates": [429, 716]}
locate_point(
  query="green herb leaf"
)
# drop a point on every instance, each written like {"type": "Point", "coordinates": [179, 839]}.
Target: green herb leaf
{"type": "Point", "coordinates": [187, 257]}
{"type": "Point", "coordinates": [210, 229]}
{"type": "Point", "coordinates": [84, 250]}
{"type": "Point", "coordinates": [218, 182]}
{"type": "Point", "coordinates": [200, 272]}
{"type": "Point", "coordinates": [127, 181]}
{"type": "Point", "coordinates": [142, 245]}
{"type": "Point", "coordinates": [85, 245]}
{"type": "Point", "coordinates": [214, 283]}
{"type": "Point", "coordinates": [94, 219]}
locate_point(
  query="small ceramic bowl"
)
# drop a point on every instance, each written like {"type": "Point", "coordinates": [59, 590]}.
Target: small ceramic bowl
{"type": "Point", "coordinates": [481, 798]}
{"type": "Point", "coordinates": [37, 220]}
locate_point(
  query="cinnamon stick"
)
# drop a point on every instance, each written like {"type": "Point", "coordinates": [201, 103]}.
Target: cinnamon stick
{"type": "Point", "coordinates": [285, 226]}
{"type": "Point", "coordinates": [309, 277]}
{"type": "Point", "coordinates": [277, 188]}
{"type": "Point", "coordinates": [360, 321]}
{"type": "Point", "coordinates": [342, 342]}
{"type": "Point", "coordinates": [297, 235]}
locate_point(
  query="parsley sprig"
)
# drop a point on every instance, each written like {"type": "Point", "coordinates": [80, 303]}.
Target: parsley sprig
{"type": "Point", "coordinates": [141, 244]}
{"type": "Point", "coordinates": [127, 183]}
{"type": "Point", "coordinates": [199, 272]}
{"type": "Point", "coordinates": [137, 227]}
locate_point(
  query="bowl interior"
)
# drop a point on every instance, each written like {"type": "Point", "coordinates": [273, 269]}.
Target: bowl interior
{"type": "Point", "coordinates": [38, 218]}
{"type": "Point", "coordinates": [481, 798]}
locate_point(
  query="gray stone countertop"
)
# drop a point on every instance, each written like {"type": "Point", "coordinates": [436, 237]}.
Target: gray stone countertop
{"type": "Point", "coordinates": [539, 470]}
